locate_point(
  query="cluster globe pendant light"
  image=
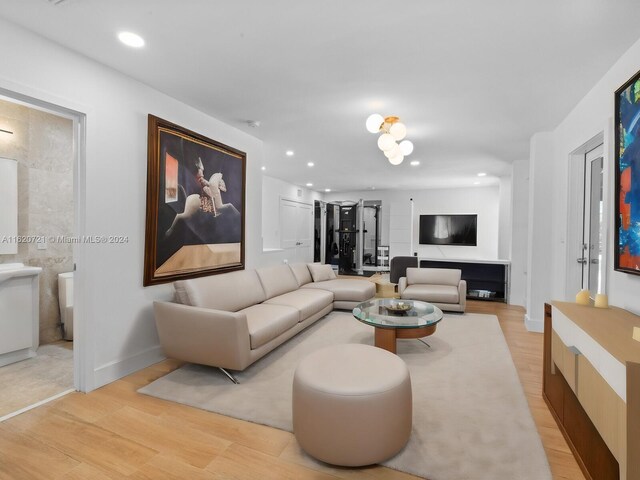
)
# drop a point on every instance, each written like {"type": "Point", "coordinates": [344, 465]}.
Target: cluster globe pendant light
{"type": "Point", "coordinates": [393, 131]}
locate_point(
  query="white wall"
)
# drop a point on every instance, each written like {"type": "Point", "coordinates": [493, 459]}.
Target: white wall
{"type": "Point", "coordinates": [273, 189]}
{"type": "Point", "coordinates": [540, 259]}
{"type": "Point", "coordinates": [505, 218]}
{"type": "Point", "coordinates": [114, 309]}
{"type": "Point", "coordinates": [593, 115]}
{"type": "Point", "coordinates": [484, 201]}
{"type": "Point", "coordinates": [519, 231]}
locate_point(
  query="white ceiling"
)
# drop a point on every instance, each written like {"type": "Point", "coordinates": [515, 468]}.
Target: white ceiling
{"type": "Point", "coordinates": [472, 80]}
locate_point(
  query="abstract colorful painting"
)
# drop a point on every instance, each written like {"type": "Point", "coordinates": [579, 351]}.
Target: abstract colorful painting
{"type": "Point", "coordinates": [627, 169]}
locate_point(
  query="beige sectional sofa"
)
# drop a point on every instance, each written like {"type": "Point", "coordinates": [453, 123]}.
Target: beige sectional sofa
{"type": "Point", "coordinates": [231, 320]}
{"type": "Point", "coordinates": [442, 287]}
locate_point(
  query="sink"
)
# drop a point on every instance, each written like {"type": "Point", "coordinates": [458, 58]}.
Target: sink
{"type": "Point", "coordinates": [10, 266]}
{"type": "Point", "coordinates": [11, 270]}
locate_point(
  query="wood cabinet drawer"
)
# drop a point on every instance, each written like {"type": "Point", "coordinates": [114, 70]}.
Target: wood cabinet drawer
{"type": "Point", "coordinates": [566, 359]}
{"type": "Point", "coordinates": [605, 408]}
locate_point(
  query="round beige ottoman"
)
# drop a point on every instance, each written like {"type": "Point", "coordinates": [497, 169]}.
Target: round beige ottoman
{"type": "Point", "coordinates": [352, 405]}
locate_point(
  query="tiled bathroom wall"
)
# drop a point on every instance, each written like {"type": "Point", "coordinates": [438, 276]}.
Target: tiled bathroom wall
{"type": "Point", "coordinates": [42, 144]}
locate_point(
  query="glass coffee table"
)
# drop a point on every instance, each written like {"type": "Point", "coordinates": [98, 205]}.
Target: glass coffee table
{"type": "Point", "coordinates": [393, 318]}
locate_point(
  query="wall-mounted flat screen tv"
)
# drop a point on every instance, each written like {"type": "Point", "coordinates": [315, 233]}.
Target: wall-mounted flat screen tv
{"type": "Point", "coordinates": [449, 230]}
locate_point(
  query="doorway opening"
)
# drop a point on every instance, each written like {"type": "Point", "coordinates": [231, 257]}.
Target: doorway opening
{"type": "Point", "coordinates": [46, 144]}
{"type": "Point", "coordinates": [348, 236]}
{"type": "Point", "coordinates": [372, 231]}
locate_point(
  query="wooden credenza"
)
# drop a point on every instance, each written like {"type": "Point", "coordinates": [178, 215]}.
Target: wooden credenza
{"type": "Point", "coordinates": [591, 383]}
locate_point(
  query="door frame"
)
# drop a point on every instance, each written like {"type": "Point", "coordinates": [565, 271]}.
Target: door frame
{"type": "Point", "coordinates": [82, 333]}
{"type": "Point", "coordinates": [322, 205]}
{"type": "Point", "coordinates": [576, 207]}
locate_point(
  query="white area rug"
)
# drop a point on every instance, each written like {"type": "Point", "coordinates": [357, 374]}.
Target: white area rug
{"type": "Point", "coordinates": [471, 420]}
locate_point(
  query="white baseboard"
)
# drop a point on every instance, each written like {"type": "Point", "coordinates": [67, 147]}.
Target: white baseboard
{"type": "Point", "coordinates": [533, 325]}
{"type": "Point", "coordinates": [17, 356]}
{"type": "Point", "coordinates": [121, 368]}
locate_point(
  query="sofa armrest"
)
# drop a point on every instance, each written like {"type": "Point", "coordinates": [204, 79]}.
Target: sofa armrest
{"type": "Point", "coordinates": [402, 284]}
{"type": "Point", "coordinates": [462, 294]}
{"type": "Point", "coordinates": [204, 336]}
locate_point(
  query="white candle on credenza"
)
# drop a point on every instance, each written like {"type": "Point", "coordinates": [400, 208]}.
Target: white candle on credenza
{"type": "Point", "coordinates": [582, 297]}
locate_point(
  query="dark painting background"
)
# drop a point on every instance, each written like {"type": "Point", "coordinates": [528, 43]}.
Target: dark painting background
{"type": "Point", "coordinates": [202, 228]}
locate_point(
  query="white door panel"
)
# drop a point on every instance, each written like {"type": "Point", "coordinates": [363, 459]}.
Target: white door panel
{"type": "Point", "coordinates": [288, 223]}
{"type": "Point", "coordinates": [296, 226]}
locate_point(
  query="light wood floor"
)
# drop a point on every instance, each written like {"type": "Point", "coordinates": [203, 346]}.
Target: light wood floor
{"type": "Point", "coordinates": [116, 433]}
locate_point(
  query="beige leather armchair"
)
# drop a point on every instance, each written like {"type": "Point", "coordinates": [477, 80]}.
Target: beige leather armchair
{"type": "Point", "coordinates": [442, 287]}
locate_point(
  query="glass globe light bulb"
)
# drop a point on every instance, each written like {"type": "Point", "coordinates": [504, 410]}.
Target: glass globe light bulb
{"type": "Point", "coordinates": [406, 146]}
{"type": "Point", "coordinates": [373, 122]}
{"type": "Point", "coordinates": [396, 160]}
{"type": "Point", "coordinates": [394, 152]}
{"type": "Point", "coordinates": [386, 142]}
{"type": "Point", "coordinates": [398, 131]}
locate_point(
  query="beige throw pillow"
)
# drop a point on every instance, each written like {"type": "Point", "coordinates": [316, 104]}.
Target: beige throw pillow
{"type": "Point", "coordinates": [320, 272]}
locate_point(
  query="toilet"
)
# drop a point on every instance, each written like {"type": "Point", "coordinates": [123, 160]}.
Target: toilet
{"type": "Point", "coordinates": [65, 298]}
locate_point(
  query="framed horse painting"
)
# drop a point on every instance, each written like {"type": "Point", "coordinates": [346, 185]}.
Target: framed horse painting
{"type": "Point", "coordinates": [195, 205]}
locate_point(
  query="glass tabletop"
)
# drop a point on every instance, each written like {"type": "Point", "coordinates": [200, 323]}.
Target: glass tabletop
{"type": "Point", "coordinates": [396, 313]}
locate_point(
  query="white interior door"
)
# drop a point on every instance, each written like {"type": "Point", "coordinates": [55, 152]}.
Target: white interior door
{"type": "Point", "coordinates": [585, 269]}
{"type": "Point", "coordinates": [288, 224]}
{"type": "Point", "coordinates": [304, 233]}
{"type": "Point", "coordinates": [296, 230]}
{"type": "Point", "coordinates": [592, 233]}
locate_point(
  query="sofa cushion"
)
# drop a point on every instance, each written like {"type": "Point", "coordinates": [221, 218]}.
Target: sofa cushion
{"type": "Point", "coordinates": [346, 290]}
{"type": "Point", "coordinates": [432, 293]}
{"type": "Point", "coordinates": [306, 300]}
{"type": "Point", "coordinates": [320, 272]}
{"type": "Point", "coordinates": [433, 276]}
{"type": "Point", "coordinates": [301, 272]}
{"type": "Point", "coordinates": [277, 280]}
{"type": "Point", "coordinates": [266, 322]}
{"type": "Point", "coordinates": [229, 291]}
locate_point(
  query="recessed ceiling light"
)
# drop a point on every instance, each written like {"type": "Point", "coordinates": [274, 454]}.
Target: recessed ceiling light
{"type": "Point", "coordinates": [482, 174]}
{"type": "Point", "coordinates": [327, 189]}
{"type": "Point", "coordinates": [415, 163]}
{"type": "Point", "coordinates": [131, 39]}
{"type": "Point", "coordinates": [310, 164]}
{"type": "Point", "coordinates": [289, 153]}
{"type": "Point", "coordinates": [264, 168]}
{"type": "Point", "coordinates": [309, 184]}
{"type": "Point", "coordinates": [476, 183]}
{"type": "Point", "coordinates": [373, 188]}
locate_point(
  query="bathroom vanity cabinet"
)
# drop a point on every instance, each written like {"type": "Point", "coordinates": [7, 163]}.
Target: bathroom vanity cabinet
{"type": "Point", "coordinates": [19, 312]}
